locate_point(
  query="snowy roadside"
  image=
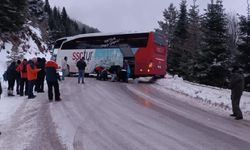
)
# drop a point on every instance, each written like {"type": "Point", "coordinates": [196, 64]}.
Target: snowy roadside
{"type": "Point", "coordinates": [211, 96]}
{"type": "Point", "coordinates": [9, 106]}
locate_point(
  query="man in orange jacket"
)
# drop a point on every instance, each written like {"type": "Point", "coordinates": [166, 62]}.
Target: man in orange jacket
{"type": "Point", "coordinates": [22, 69]}
{"type": "Point", "coordinates": [31, 76]}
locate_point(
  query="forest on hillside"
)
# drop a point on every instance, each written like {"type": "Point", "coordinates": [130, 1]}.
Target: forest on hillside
{"type": "Point", "coordinates": [55, 21]}
{"type": "Point", "coordinates": [204, 47]}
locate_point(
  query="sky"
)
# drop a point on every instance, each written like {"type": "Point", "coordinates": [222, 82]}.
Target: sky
{"type": "Point", "coordinates": [129, 15]}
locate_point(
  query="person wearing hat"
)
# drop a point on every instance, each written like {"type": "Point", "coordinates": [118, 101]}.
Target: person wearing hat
{"type": "Point", "coordinates": [237, 87]}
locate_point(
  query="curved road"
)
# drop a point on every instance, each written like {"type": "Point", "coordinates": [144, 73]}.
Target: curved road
{"type": "Point", "coordinates": [118, 116]}
{"type": "Point", "coordinates": [103, 115]}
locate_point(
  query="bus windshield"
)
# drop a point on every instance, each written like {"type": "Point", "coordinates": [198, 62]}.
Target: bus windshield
{"type": "Point", "coordinates": [57, 45]}
{"type": "Point", "coordinates": [59, 42]}
{"type": "Point", "coordinates": [160, 39]}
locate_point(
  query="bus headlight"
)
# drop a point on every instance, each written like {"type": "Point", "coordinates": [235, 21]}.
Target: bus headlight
{"type": "Point", "coordinates": [141, 70]}
{"type": "Point", "coordinates": [148, 70]}
{"type": "Point", "coordinates": [60, 73]}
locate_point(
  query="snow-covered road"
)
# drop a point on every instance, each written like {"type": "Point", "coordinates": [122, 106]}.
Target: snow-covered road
{"type": "Point", "coordinates": [103, 115]}
{"type": "Point", "coordinates": [118, 116]}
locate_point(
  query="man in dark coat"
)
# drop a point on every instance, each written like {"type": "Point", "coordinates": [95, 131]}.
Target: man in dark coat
{"type": "Point", "coordinates": [237, 87]}
{"type": "Point", "coordinates": [126, 68]}
{"type": "Point", "coordinates": [41, 75]}
{"type": "Point", "coordinates": [81, 65]}
{"type": "Point", "coordinates": [18, 78]}
{"type": "Point", "coordinates": [114, 70]}
{"type": "Point", "coordinates": [52, 80]}
{"type": "Point", "coordinates": [1, 90]}
{"type": "Point", "coordinates": [11, 77]}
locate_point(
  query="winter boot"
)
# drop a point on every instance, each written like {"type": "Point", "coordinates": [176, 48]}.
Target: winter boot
{"type": "Point", "coordinates": [10, 93]}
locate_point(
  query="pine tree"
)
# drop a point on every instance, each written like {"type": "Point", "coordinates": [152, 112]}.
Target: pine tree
{"type": "Point", "coordinates": [193, 41]}
{"type": "Point", "coordinates": [83, 30]}
{"type": "Point", "coordinates": [76, 28]}
{"type": "Point", "coordinates": [213, 63]}
{"type": "Point", "coordinates": [244, 48]}
{"type": "Point", "coordinates": [66, 22]}
{"type": "Point", "coordinates": [47, 7]}
{"type": "Point", "coordinates": [5, 20]}
{"type": "Point", "coordinates": [64, 15]}
{"type": "Point", "coordinates": [168, 25]}
{"type": "Point", "coordinates": [56, 25]}
{"type": "Point", "coordinates": [177, 58]}
{"type": "Point", "coordinates": [11, 18]}
{"type": "Point", "coordinates": [19, 16]}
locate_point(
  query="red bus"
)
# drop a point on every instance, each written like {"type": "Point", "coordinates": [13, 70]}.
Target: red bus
{"type": "Point", "coordinates": [146, 52]}
{"type": "Point", "coordinates": [152, 59]}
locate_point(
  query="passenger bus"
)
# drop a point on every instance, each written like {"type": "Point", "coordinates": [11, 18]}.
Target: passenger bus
{"type": "Point", "coordinates": [146, 52]}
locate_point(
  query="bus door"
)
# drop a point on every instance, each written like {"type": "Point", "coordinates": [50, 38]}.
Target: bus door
{"type": "Point", "coordinates": [128, 55]}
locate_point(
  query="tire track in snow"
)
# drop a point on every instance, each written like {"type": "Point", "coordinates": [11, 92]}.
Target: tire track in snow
{"type": "Point", "coordinates": [78, 139]}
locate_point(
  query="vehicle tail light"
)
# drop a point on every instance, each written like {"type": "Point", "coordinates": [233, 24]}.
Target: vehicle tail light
{"type": "Point", "coordinates": [150, 65]}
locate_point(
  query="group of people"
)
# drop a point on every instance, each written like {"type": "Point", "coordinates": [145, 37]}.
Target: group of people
{"type": "Point", "coordinates": [29, 76]}
{"type": "Point", "coordinates": [117, 72]}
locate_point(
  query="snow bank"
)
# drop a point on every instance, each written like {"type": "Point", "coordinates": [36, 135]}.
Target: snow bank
{"type": "Point", "coordinates": [211, 95]}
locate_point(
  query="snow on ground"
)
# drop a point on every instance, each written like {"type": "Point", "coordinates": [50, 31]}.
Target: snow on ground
{"type": "Point", "coordinates": [8, 106]}
{"type": "Point", "coordinates": [36, 31]}
{"type": "Point", "coordinates": [17, 121]}
{"type": "Point", "coordinates": [33, 51]}
{"type": "Point", "coordinates": [3, 56]}
{"type": "Point", "coordinates": [213, 96]}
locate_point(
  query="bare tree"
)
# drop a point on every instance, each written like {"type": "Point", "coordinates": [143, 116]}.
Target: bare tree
{"type": "Point", "coordinates": [248, 9]}
{"type": "Point", "coordinates": [233, 33]}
